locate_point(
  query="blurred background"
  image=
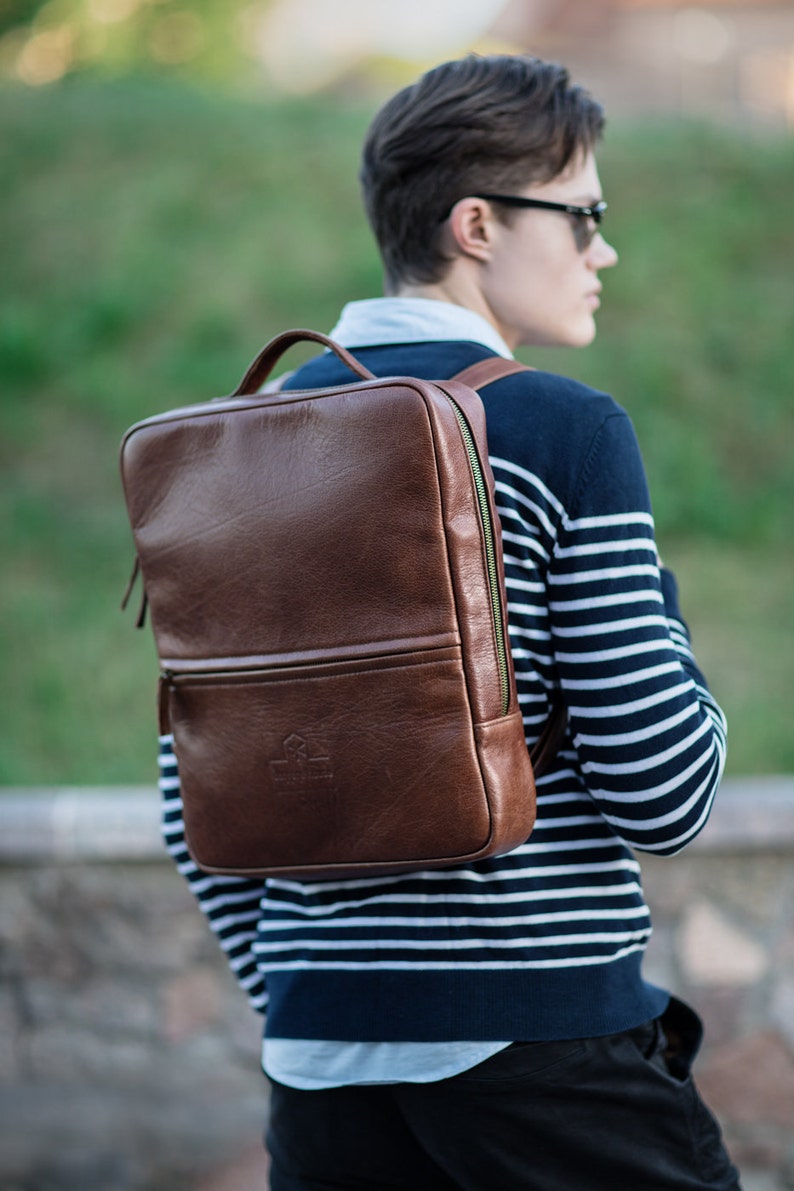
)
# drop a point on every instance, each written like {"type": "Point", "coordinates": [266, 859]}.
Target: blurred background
{"type": "Point", "coordinates": [178, 183]}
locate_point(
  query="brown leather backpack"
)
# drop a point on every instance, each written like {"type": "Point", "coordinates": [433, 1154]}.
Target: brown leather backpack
{"type": "Point", "coordinates": [323, 572]}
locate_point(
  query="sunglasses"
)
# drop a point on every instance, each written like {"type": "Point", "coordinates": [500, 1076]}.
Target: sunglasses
{"type": "Point", "coordinates": [586, 220]}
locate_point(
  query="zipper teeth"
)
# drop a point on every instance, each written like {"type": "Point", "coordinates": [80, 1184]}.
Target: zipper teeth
{"type": "Point", "coordinates": [490, 554]}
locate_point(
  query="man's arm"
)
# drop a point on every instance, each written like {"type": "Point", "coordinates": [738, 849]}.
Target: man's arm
{"type": "Point", "coordinates": [649, 736]}
{"type": "Point", "coordinates": [231, 905]}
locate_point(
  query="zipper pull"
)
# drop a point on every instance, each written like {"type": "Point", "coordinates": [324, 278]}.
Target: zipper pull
{"type": "Point", "coordinates": [141, 618]}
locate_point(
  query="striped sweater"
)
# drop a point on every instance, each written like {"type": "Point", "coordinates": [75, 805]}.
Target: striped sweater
{"type": "Point", "coordinates": [547, 941]}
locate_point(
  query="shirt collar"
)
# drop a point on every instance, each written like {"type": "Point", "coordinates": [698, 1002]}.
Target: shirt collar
{"type": "Point", "coordinates": [375, 322]}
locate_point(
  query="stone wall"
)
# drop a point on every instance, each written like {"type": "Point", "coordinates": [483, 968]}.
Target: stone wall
{"type": "Point", "coordinates": [129, 1057]}
{"type": "Point", "coordinates": [129, 1060]}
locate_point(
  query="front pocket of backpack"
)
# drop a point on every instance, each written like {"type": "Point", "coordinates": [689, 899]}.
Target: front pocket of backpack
{"type": "Point", "coordinates": [354, 763]}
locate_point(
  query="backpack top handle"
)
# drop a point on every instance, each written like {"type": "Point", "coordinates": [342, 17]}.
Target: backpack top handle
{"type": "Point", "coordinates": [264, 363]}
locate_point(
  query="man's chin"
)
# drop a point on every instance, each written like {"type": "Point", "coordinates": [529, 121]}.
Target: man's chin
{"type": "Point", "coordinates": [583, 335]}
{"type": "Point", "coordinates": [580, 335]}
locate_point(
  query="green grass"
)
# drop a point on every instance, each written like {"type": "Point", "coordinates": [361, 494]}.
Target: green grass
{"type": "Point", "coordinates": [157, 235]}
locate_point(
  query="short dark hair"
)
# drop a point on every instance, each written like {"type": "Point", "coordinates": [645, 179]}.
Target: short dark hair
{"type": "Point", "coordinates": [491, 123]}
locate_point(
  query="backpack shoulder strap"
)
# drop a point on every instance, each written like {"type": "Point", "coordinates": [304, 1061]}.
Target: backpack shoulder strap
{"type": "Point", "coordinates": [486, 371]}
{"type": "Point", "coordinates": [545, 749]}
{"type": "Point", "coordinates": [549, 743]}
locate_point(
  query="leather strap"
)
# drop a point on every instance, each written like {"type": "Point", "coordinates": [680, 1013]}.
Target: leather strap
{"type": "Point", "coordinates": [546, 747]}
{"type": "Point", "coordinates": [272, 352]}
{"type": "Point", "coordinates": [476, 376]}
{"type": "Point", "coordinates": [486, 371]}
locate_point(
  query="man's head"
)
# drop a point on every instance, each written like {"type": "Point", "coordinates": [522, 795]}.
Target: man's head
{"type": "Point", "coordinates": [492, 125]}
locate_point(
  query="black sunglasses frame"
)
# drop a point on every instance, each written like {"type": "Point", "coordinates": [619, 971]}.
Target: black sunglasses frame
{"type": "Point", "coordinates": [514, 200]}
{"type": "Point", "coordinates": [596, 213]}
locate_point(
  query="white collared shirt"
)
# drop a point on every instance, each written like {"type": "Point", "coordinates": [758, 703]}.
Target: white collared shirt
{"type": "Point", "coordinates": [376, 322]}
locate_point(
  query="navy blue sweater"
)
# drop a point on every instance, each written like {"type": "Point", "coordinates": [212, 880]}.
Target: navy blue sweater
{"type": "Point", "coordinates": [547, 941]}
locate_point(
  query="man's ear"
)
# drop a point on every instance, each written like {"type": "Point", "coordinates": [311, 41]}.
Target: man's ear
{"type": "Point", "coordinates": [471, 225]}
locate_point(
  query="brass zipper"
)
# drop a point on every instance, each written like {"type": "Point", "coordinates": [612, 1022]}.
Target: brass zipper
{"type": "Point", "coordinates": [490, 554]}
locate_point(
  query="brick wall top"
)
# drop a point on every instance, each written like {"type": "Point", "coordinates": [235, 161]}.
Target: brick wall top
{"type": "Point", "coordinates": [122, 822]}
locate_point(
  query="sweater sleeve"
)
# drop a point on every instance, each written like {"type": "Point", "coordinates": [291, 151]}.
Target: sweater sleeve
{"type": "Point", "coordinates": [649, 736]}
{"type": "Point", "coordinates": [231, 905]}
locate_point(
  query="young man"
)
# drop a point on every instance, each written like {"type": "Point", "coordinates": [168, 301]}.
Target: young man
{"type": "Point", "coordinates": [488, 1027]}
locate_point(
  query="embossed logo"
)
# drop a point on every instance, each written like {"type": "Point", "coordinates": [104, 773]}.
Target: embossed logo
{"type": "Point", "coordinates": [298, 772]}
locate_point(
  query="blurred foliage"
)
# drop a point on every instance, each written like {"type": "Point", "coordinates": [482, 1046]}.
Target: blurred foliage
{"type": "Point", "coordinates": [157, 235]}
{"type": "Point", "coordinates": [211, 40]}
{"type": "Point", "coordinates": [18, 13]}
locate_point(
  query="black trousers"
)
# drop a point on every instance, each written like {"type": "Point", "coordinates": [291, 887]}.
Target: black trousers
{"type": "Point", "coordinates": [619, 1113]}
